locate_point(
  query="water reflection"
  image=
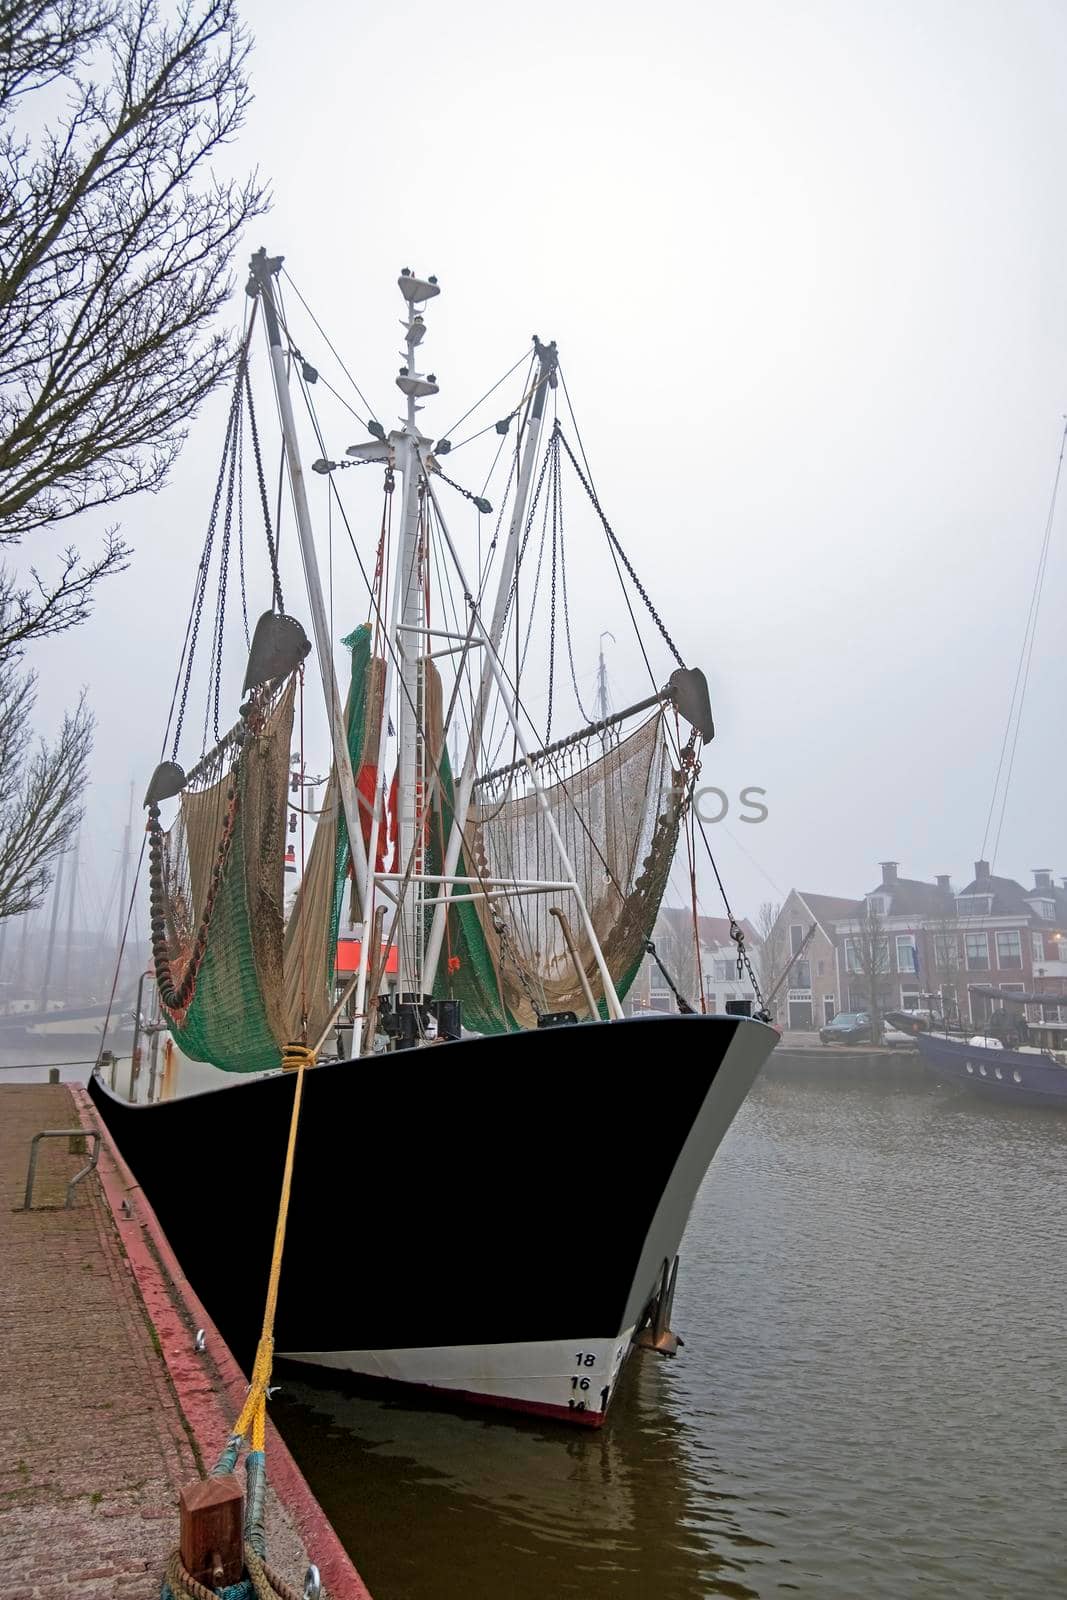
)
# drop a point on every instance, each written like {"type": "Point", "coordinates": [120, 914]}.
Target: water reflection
{"type": "Point", "coordinates": [435, 1504]}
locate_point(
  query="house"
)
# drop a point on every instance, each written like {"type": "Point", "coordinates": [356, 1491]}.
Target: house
{"type": "Point", "coordinates": [889, 933]}
{"type": "Point", "coordinates": [675, 946]}
{"type": "Point", "coordinates": [1012, 938]}
{"type": "Point", "coordinates": [927, 944]}
{"type": "Point", "coordinates": [811, 994]}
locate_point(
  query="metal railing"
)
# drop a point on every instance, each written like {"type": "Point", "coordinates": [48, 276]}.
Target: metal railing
{"type": "Point", "coordinates": [60, 1133]}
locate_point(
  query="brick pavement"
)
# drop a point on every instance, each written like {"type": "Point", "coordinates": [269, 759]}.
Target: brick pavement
{"type": "Point", "coordinates": [94, 1444]}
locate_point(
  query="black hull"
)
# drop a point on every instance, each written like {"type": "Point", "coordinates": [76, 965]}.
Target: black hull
{"type": "Point", "coordinates": [493, 1192]}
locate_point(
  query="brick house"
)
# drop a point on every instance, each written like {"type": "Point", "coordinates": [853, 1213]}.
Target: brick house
{"type": "Point", "coordinates": [937, 941]}
{"type": "Point", "coordinates": [673, 938]}
{"type": "Point", "coordinates": [1012, 938]}
{"type": "Point", "coordinates": [812, 993]}
{"type": "Point", "coordinates": [905, 909]}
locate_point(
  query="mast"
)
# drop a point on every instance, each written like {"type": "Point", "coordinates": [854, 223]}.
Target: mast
{"type": "Point", "coordinates": [546, 378]}
{"type": "Point", "coordinates": [263, 270]}
{"type": "Point", "coordinates": [57, 890]}
{"type": "Point", "coordinates": [510, 704]}
{"type": "Point", "coordinates": [602, 679]}
{"type": "Point", "coordinates": [70, 917]}
{"type": "Point", "coordinates": [409, 641]}
{"type": "Point", "coordinates": [120, 936]}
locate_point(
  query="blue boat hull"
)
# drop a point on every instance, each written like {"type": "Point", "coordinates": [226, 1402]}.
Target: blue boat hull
{"type": "Point", "coordinates": [1011, 1076]}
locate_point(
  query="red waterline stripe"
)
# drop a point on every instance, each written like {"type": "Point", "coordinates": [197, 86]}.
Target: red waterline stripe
{"type": "Point", "coordinates": [210, 1415]}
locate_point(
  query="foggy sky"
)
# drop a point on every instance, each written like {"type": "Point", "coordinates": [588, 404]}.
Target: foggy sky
{"type": "Point", "coordinates": [806, 269]}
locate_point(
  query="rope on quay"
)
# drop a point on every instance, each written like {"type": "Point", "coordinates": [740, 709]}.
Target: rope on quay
{"type": "Point", "coordinates": [259, 1582]}
{"type": "Point", "coordinates": [262, 1582]}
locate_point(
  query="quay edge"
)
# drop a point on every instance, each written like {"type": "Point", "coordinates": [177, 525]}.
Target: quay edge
{"type": "Point", "coordinates": [209, 1408]}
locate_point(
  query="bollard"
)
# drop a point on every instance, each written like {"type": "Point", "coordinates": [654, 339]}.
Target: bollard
{"type": "Point", "coordinates": [212, 1539]}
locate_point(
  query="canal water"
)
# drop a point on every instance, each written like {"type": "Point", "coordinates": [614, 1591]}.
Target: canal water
{"type": "Point", "coordinates": [870, 1401]}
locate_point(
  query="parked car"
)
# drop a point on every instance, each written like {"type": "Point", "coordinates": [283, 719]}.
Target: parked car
{"type": "Point", "coordinates": [848, 1027]}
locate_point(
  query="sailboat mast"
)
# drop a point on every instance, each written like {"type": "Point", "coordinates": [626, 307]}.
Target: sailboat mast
{"type": "Point", "coordinates": [263, 271]}
{"type": "Point", "coordinates": [71, 895]}
{"type": "Point", "coordinates": [602, 680]}
{"type": "Point", "coordinates": [57, 890]}
{"type": "Point", "coordinates": [546, 377]}
{"type": "Point", "coordinates": [120, 936]}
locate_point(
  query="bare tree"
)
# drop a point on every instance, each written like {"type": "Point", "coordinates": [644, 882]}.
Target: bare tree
{"type": "Point", "coordinates": [39, 608]}
{"type": "Point", "coordinates": [870, 946]}
{"type": "Point", "coordinates": [116, 238]}
{"type": "Point", "coordinates": [774, 951]}
{"type": "Point", "coordinates": [40, 792]}
{"type": "Point", "coordinates": [942, 943]}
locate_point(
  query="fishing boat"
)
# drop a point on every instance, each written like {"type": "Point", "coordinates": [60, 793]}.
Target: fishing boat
{"type": "Point", "coordinates": [489, 1190]}
{"type": "Point", "coordinates": [1016, 1060]}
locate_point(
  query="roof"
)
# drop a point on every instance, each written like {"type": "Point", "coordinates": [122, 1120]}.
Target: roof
{"type": "Point", "coordinates": [912, 897]}
{"type": "Point", "coordinates": [830, 908]}
{"type": "Point", "coordinates": [712, 930]}
{"type": "Point", "coordinates": [1009, 896]}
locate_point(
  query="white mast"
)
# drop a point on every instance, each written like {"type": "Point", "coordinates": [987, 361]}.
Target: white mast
{"type": "Point", "coordinates": [602, 680]}
{"type": "Point", "coordinates": [263, 270]}
{"type": "Point", "coordinates": [546, 377]}
{"type": "Point", "coordinates": [409, 641]}
{"type": "Point", "coordinates": [510, 704]}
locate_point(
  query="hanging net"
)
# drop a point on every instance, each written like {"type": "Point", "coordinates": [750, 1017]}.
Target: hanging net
{"type": "Point", "coordinates": [316, 919]}
{"type": "Point", "coordinates": [507, 958]}
{"type": "Point", "coordinates": [235, 982]}
{"type": "Point", "coordinates": [218, 887]}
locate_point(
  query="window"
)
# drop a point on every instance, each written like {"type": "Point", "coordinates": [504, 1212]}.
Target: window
{"type": "Point", "coordinates": [911, 1000]}
{"type": "Point", "coordinates": [977, 945]}
{"type": "Point", "coordinates": [878, 904]}
{"type": "Point", "coordinates": [907, 959]}
{"type": "Point", "coordinates": [974, 905]}
{"type": "Point", "coordinates": [981, 1006]}
{"type": "Point", "coordinates": [820, 968]}
{"type": "Point", "coordinates": [796, 937]}
{"type": "Point", "coordinates": [1037, 944]}
{"type": "Point", "coordinates": [1045, 909]}
{"type": "Point", "coordinates": [1013, 988]}
{"type": "Point", "coordinates": [946, 952]}
{"type": "Point", "coordinates": [1009, 950]}
{"type": "Point", "coordinates": [801, 975]}
{"type": "Point", "coordinates": [858, 953]}
{"type": "Point", "coordinates": [711, 1000]}
{"type": "Point", "coordinates": [724, 971]}
{"type": "Point", "coordinates": [657, 983]}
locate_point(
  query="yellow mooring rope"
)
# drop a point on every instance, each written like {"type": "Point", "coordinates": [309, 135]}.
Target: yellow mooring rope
{"type": "Point", "coordinates": [254, 1412]}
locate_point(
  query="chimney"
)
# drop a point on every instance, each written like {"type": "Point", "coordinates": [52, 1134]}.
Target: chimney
{"type": "Point", "coordinates": [944, 882]}
{"type": "Point", "coordinates": [981, 870]}
{"type": "Point", "coordinates": [889, 871]}
{"type": "Point", "coordinates": [1042, 878]}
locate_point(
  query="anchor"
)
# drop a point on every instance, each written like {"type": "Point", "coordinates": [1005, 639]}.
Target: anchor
{"type": "Point", "coordinates": [656, 1334]}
